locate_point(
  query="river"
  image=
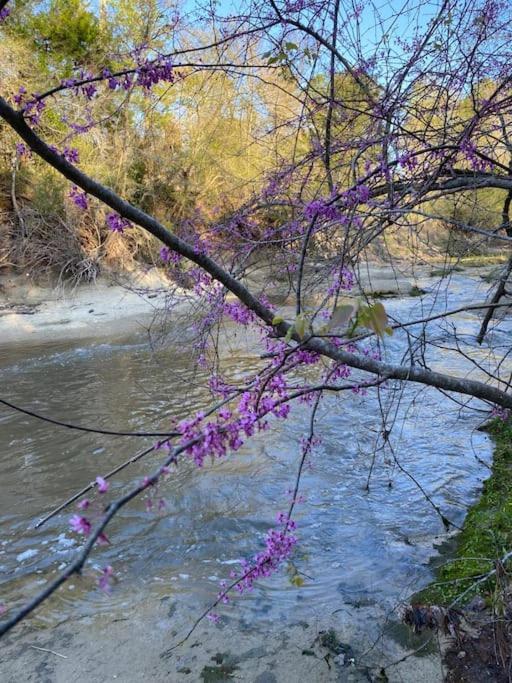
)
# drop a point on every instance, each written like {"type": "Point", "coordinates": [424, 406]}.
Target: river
{"type": "Point", "coordinates": [361, 550]}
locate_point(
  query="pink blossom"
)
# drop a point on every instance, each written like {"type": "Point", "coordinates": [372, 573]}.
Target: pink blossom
{"type": "Point", "coordinates": [80, 524]}
{"type": "Point", "coordinates": [102, 485]}
{"type": "Point", "coordinates": [103, 539]}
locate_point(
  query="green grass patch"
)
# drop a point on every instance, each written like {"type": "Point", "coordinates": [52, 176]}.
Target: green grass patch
{"type": "Point", "coordinates": [485, 260]}
{"type": "Point", "coordinates": [487, 532]}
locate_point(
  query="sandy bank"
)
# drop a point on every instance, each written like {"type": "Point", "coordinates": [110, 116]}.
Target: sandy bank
{"type": "Point", "coordinates": [35, 314]}
{"type": "Point", "coordinates": [32, 313]}
{"type": "Point", "coordinates": [134, 645]}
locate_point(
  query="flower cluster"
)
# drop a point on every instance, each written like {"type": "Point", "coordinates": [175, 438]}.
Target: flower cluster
{"type": "Point", "coordinates": [343, 280]}
{"type": "Point", "coordinates": [78, 198]}
{"type": "Point", "coordinates": [502, 414]}
{"type": "Point", "coordinates": [213, 439]}
{"type": "Point", "coordinates": [408, 161]}
{"type": "Point", "coordinates": [321, 208]}
{"type": "Point", "coordinates": [351, 198]}
{"type": "Point", "coordinates": [170, 256]}
{"type": "Point", "coordinates": [148, 74]}
{"type": "Point", "coordinates": [4, 13]}
{"type": "Point", "coordinates": [87, 88]}
{"type": "Point", "coordinates": [340, 371]}
{"type": "Point", "coordinates": [70, 154]}
{"type": "Point", "coordinates": [81, 524]}
{"type": "Point", "coordinates": [117, 223]}
{"type": "Point", "coordinates": [22, 150]}
{"type": "Point", "coordinates": [151, 73]}
{"type": "Point", "coordinates": [218, 386]}
{"type": "Point", "coordinates": [239, 313]}
{"type": "Point", "coordinates": [31, 108]}
{"type": "Point", "coordinates": [279, 545]}
{"type": "Point", "coordinates": [468, 150]}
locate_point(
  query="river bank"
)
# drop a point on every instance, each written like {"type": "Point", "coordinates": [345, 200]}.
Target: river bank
{"type": "Point", "coordinates": [133, 645]}
{"type": "Point", "coordinates": [475, 581]}
{"type": "Point", "coordinates": [119, 305]}
{"type": "Point", "coordinates": [116, 306]}
{"type": "Point", "coordinates": [37, 313]}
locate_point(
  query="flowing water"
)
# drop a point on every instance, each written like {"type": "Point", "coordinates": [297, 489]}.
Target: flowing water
{"type": "Point", "coordinates": [360, 549]}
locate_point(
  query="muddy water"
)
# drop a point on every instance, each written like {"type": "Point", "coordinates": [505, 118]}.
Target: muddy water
{"type": "Point", "coordinates": [361, 549]}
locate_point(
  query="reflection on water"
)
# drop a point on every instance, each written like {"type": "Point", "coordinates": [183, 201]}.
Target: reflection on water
{"type": "Point", "coordinates": [358, 546]}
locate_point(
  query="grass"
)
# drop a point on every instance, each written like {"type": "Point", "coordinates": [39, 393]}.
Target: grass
{"type": "Point", "coordinates": [483, 260]}
{"type": "Point", "coordinates": [487, 532]}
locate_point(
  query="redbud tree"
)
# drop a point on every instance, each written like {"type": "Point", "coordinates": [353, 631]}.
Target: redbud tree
{"type": "Point", "coordinates": [394, 114]}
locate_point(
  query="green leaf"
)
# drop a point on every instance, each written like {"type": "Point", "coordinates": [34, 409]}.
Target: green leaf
{"type": "Point", "coordinates": [342, 314]}
{"type": "Point", "coordinates": [378, 318]}
{"type": "Point", "coordinates": [300, 325]}
{"type": "Point", "coordinates": [289, 333]}
{"type": "Point", "coordinates": [277, 319]}
{"type": "Point", "coordinates": [375, 318]}
{"type": "Point", "coordinates": [290, 46]}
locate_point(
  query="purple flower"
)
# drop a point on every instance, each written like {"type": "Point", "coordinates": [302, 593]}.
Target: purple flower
{"type": "Point", "coordinates": [151, 73]}
{"type": "Point", "coordinates": [68, 82]}
{"type": "Point", "coordinates": [80, 524]}
{"type": "Point", "coordinates": [214, 618]}
{"type": "Point", "coordinates": [170, 256]}
{"type": "Point", "coordinates": [20, 95]}
{"type": "Point", "coordinates": [71, 154]}
{"type": "Point", "coordinates": [239, 313]}
{"type": "Point", "coordinates": [103, 539]}
{"type": "Point", "coordinates": [500, 413]}
{"type": "Point", "coordinates": [117, 223]}
{"type": "Point", "coordinates": [33, 109]}
{"type": "Point", "coordinates": [83, 504]}
{"type": "Point", "coordinates": [79, 198]}
{"type": "Point", "coordinates": [102, 485]}
{"type": "Point", "coordinates": [321, 208]}
{"type": "Point", "coordinates": [22, 150]}
{"type": "Point", "coordinates": [355, 196]}
{"type": "Point", "coordinates": [4, 13]}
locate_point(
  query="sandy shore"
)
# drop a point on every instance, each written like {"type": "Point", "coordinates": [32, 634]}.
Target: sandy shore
{"type": "Point", "coordinates": [31, 313]}
{"type": "Point", "coordinates": [35, 314]}
{"type": "Point", "coordinates": [137, 644]}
